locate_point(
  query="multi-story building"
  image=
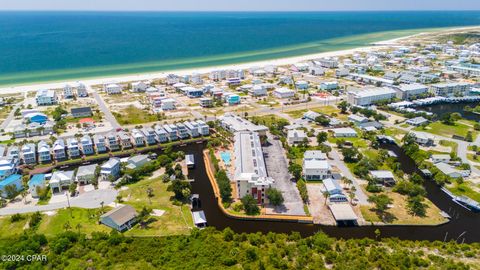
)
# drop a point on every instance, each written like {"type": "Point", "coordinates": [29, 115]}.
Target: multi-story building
{"type": "Point", "coordinates": [451, 89]}
{"type": "Point", "coordinates": [44, 155]}
{"type": "Point", "coordinates": [67, 91]}
{"type": "Point", "coordinates": [315, 165]}
{"type": "Point", "coordinates": [110, 170]}
{"type": "Point", "coordinates": [137, 137]}
{"type": "Point", "coordinates": [203, 128]}
{"type": "Point", "coordinates": [46, 97]}
{"type": "Point", "coordinates": [124, 139]}
{"type": "Point", "coordinates": [369, 96]}
{"type": "Point", "coordinates": [182, 131]}
{"type": "Point", "coordinates": [113, 144]}
{"type": "Point", "coordinates": [100, 144]}
{"type": "Point", "coordinates": [171, 132]}
{"type": "Point", "coordinates": [82, 90]}
{"type": "Point", "coordinates": [59, 149]}
{"type": "Point", "coordinates": [29, 154]}
{"type": "Point", "coordinates": [162, 135]}
{"type": "Point", "coordinates": [150, 136]}
{"type": "Point", "coordinates": [72, 148]}
{"type": "Point", "coordinates": [192, 128]}
{"type": "Point", "coordinates": [407, 91]}
{"type": "Point", "coordinates": [87, 145]}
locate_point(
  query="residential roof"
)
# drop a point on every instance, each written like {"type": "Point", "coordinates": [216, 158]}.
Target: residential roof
{"type": "Point", "coordinates": [86, 170]}
{"type": "Point", "coordinates": [342, 211]}
{"type": "Point", "coordinates": [121, 214]}
{"type": "Point", "coordinates": [314, 154]}
{"type": "Point", "coordinates": [81, 110]}
{"type": "Point", "coordinates": [10, 180]}
{"type": "Point", "coordinates": [381, 174]}
{"type": "Point", "coordinates": [37, 179]}
{"type": "Point", "coordinates": [248, 154]}
{"type": "Point", "coordinates": [312, 164]}
{"type": "Point", "coordinates": [332, 186]}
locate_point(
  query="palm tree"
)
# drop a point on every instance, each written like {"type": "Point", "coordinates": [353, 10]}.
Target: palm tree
{"type": "Point", "coordinates": [67, 226]}
{"type": "Point", "coordinates": [101, 204]}
{"type": "Point", "coordinates": [78, 227]}
{"type": "Point", "coordinates": [326, 194]}
{"type": "Point", "coordinates": [150, 194]}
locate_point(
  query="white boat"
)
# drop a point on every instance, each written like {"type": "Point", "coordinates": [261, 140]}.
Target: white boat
{"type": "Point", "coordinates": [199, 219]}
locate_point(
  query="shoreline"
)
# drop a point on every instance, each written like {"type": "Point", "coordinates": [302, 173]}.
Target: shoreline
{"type": "Point", "coordinates": [56, 84]}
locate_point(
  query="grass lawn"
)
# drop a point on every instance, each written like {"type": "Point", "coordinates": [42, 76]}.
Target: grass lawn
{"type": "Point", "coordinates": [134, 116]}
{"type": "Point", "coordinates": [297, 113]}
{"type": "Point", "coordinates": [357, 142]}
{"type": "Point", "coordinates": [450, 144]}
{"type": "Point", "coordinates": [9, 229]}
{"type": "Point", "coordinates": [438, 128]}
{"type": "Point", "coordinates": [87, 218]}
{"type": "Point", "coordinates": [464, 189]}
{"type": "Point", "coordinates": [398, 214]}
{"type": "Point", "coordinates": [175, 220]}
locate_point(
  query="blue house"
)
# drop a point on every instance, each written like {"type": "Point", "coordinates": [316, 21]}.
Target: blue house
{"type": "Point", "coordinates": [15, 180]}
{"type": "Point", "coordinates": [36, 117]}
{"type": "Point", "coordinates": [194, 93]}
{"type": "Point", "coordinates": [232, 99]}
{"type": "Point", "coordinates": [37, 181]}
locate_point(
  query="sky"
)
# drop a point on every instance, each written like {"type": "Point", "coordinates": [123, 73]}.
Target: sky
{"type": "Point", "coordinates": [238, 5]}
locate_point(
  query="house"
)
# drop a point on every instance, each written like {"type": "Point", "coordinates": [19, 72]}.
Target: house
{"type": "Point", "coordinates": [112, 140]}
{"type": "Point", "coordinates": [137, 161]}
{"type": "Point", "coordinates": [149, 135]}
{"type": "Point", "coordinates": [87, 145]}
{"type": "Point", "coordinates": [137, 137]}
{"type": "Point", "coordinates": [451, 171]}
{"type": "Point", "coordinates": [423, 138]}
{"type": "Point", "coordinates": [120, 218]}
{"type": "Point", "coordinates": [139, 87]}
{"type": "Point", "coordinates": [29, 155]}
{"type": "Point", "coordinates": [61, 180]}
{"type": "Point", "coordinates": [168, 104]}
{"type": "Point", "coordinates": [296, 136]}
{"type": "Point", "coordinates": [341, 72]}
{"type": "Point", "coordinates": [234, 123]}
{"type": "Point", "coordinates": [81, 112]}
{"type": "Point", "coordinates": [85, 174]}
{"type": "Point", "coordinates": [440, 158]}
{"type": "Point", "coordinates": [99, 141]}
{"type": "Point", "coordinates": [171, 132]}
{"type": "Point", "coordinates": [44, 155]}
{"type": "Point", "coordinates": [334, 190]}
{"type": "Point", "coordinates": [110, 169]}
{"type": "Point", "coordinates": [368, 96]}
{"type": "Point", "coordinates": [331, 85]}
{"type": "Point", "coordinates": [46, 98]}
{"type": "Point", "coordinates": [124, 139]}
{"type": "Point", "coordinates": [72, 148]}
{"type": "Point", "coordinates": [231, 99]}
{"type": "Point", "coordinates": [162, 135]}
{"type": "Point", "coordinates": [13, 152]}
{"type": "Point", "coordinates": [417, 121]}
{"type": "Point", "coordinates": [250, 173]}
{"type": "Point", "coordinates": [311, 115]}
{"type": "Point", "coordinates": [344, 132]}
{"type": "Point", "coordinates": [112, 89]}
{"type": "Point", "coordinates": [7, 167]}
{"type": "Point", "coordinates": [194, 92]}
{"type": "Point", "coordinates": [82, 90]}
{"type": "Point", "coordinates": [67, 91]}
{"type": "Point", "coordinates": [59, 149]}
{"type": "Point", "coordinates": [203, 128]}
{"type": "Point", "coordinates": [357, 119]}
{"type": "Point", "coordinates": [12, 180]}
{"type": "Point", "coordinates": [302, 85]}
{"type": "Point", "coordinates": [328, 62]}
{"type": "Point", "coordinates": [192, 128]}
{"type": "Point", "coordinates": [36, 183]}
{"type": "Point", "coordinates": [183, 132]}
{"type": "Point", "coordinates": [206, 102]}
{"type": "Point", "coordinates": [383, 177]}
{"type": "Point", "coordinates": [258, 91]}
{"type": "Point", "coordinates": [315, 165]}
{"type": "Point", "coordinates": [36, 117]}
{"type": "Point", "coordinates": [283, 93]}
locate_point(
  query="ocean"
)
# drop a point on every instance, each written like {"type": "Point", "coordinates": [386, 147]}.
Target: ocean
{"type": "Point", "coordinates": [52, 46]}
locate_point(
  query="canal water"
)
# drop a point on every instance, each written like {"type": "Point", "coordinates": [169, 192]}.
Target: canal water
{"type": "Point", "coordinates": [464, 224]}
{"type": "Point", "coordinates": [441, 109]}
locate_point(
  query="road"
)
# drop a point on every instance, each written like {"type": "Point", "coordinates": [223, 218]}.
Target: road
{"type": "Point", "coordinates": [338, 162]}
{"type": "Point", "coordinates": [87, 200]}
{"type": "Point", "coordinates": [277, 168]}
{"type": "Point", "coordinates": [104, 108]}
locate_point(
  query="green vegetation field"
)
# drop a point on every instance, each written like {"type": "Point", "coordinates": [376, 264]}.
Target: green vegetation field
{"type": "Point", "coordinates": [465, 189]}
{"type": "Point", "coordinates": [175, 220]}
{"type": "Point", "coordinates": [135, 116]}
{"type": "Point", "coordinates": [460, 129]}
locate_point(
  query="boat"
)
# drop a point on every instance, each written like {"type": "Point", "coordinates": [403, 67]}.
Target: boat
{"type": "Point", "coordinates": [199, 219]}
{"type": "Point", "coordinates": [189, 159]}
{"type": "Point", "coordinates": [467, 203]}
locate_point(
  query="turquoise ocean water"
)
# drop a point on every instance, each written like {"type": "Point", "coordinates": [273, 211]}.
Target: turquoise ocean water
{"type": "Point", "coordinates": [50, 46]}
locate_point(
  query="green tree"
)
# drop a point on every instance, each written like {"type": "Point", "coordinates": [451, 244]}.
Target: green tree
{"type": "Point", "coordinates": [381, 203]}
{"type": "Point", "coordinates": [322, 137]}
{"type": "Point", "coordinates": [275, 196]}
{"type": "Point", "coordinates": [296, 170]}
{"type": "Point", "coordinates": [250, 205]}
{"type": "Point", "coordinates": [416, 206]}
{"type": "Point", "coordinates": [343, 106]}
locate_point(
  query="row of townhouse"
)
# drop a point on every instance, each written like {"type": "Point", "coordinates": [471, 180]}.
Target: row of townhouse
{"type": "Point", "coordinates": [72, 148]}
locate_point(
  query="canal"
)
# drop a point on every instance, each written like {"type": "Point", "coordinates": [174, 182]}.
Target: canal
{"type": "Point", "coordinates": [441, 109]}
{"type": "Point", "coordinates": [463, 226]}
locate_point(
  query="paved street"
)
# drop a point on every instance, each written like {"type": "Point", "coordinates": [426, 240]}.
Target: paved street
{"type": "Point", "coordinates": [103, 107]}
{"type": "Point", "coordinates": [337, 162]}
{"type": "Point", "coordinates": [88, 200]}
{"type": "Point", "coordinates": [277, 168]}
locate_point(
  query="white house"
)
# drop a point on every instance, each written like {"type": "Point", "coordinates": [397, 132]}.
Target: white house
{"type": "Point", "coordinates": [46, 97]}
{"type": "Point", "coordinates": [315, 165]}
{"type": "Point", "coordinates": [383, 177]}
{"type": "Point", "coordinates": [168, 104]}
{"type": "Point", "coordinates": [61, 180]}
{"type": "Point", "coordinates": [334, 190]}
{"type": "Point", "coordinates": [110, 169]}
{"type": "Point", "coordinates": [417, 121]}
{"type": "Point", "coordinates": [369, 96]}
{"type": "Point", "coordinates": [112, 89]}
{"type": "Point", "coordinates": [296, 136]}
{"type": "Point", "coordinates": [67, 91]}
{"type": "Point", "coordinates": [344, 132]}
{"type": "Point", "coordinates": [440, 158]}
{"type": "Point", "coordinates": [85, 174]}
{"type": "Point", "coordinates": [139, 87]}
{"type": "Point", "coordinates": [283, 93]}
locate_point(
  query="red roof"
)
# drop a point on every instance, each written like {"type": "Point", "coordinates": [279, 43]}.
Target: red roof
{"type": "Point", "coordinates": [86, 120]}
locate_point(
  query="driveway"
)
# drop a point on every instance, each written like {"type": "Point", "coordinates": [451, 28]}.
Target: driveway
{"type": "Point", "coordinates": [88, 200]}
{"type": "Point", "coordinates": [103, 107]}
{"type": "Point", "coordinates": [277, 168]}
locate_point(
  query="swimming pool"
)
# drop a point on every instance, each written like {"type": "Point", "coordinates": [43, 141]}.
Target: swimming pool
{"type": "Point", "coordinates": [225, 157]}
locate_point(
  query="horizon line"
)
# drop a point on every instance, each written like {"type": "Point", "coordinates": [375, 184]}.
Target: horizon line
{"type": "Point", "coordinates": [220, 11]}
